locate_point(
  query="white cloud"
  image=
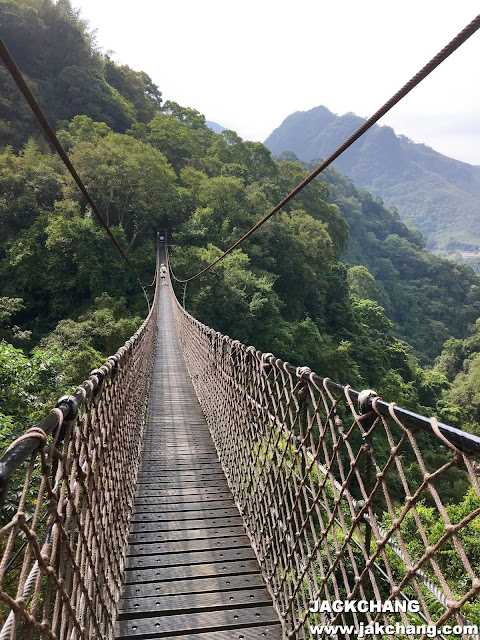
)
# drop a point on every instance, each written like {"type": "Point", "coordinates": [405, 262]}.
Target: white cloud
{"type": "Point", "coordinates": [249, 65]}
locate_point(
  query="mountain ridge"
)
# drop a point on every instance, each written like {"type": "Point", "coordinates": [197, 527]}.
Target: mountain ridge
{"type": "Point", "coordinates": [437, 194]}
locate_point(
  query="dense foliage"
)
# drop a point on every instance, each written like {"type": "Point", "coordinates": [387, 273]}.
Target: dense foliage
{"type": "Point", "coordinates": [335, 280]}
{"type": "Point", "coordinates": [69, 76]}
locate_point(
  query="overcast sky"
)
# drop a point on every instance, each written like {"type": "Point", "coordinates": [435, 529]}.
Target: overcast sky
{"type": "Point", "coordinates": [247, 65]}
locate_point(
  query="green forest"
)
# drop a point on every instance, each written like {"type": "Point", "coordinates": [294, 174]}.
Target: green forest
{"type": "Point", "coordinates": [335, 281]}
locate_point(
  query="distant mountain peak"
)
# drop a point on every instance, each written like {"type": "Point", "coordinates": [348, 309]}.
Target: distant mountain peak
{"type": "Point", "coordinates": [437, 194]}
{"type": "Point", "coordinates": [215, 126]}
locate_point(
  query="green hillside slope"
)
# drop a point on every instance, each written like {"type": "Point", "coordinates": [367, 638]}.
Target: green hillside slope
{"type": "Point", "coordinates": [439, 195]}
{"type": "Point", "coordinates": [58, 57]}
{"type": "Point", "coordinates": [335, 280]}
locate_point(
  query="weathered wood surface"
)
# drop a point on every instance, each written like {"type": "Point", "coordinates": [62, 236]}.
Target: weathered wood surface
{"type": "Point", "coordinates": [191, 571]}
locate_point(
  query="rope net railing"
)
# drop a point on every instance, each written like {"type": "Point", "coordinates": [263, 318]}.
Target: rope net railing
{"type": "Point", "coordinates": [373, 506]}
{"type": "Point", "coordinates": [67, 506]}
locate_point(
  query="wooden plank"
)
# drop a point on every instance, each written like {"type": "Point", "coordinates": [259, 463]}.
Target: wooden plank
{"type": "Point", "coordinates": [272, 632]}
{"type": "Point", "coordinates": [180, 478]}
{"type": "Point", "coordinates": [181, 459]}
{"type": "Point", "coordinates": [194, 585]}
{"type": "Point", "coordinates": [182, 453]}
{"type": "Point", "coordinates": [180, 572]}
{"type": "Point", "coordinates": [190, 545]}
{"type": "Point", "coordinates": [160, 498]}
{"type": "Point", "coordinates": [173, 516]}
{"type": "Point", "coordinates": [167, 468]}
{"type": "Point", "coordinates": [166, 626]}
{"type": "Point", "coordinates": [171, 482]}
{"type": "Point", "coordinates": [191, 558]}
{"type": "Point", "coordinates": [189, 534]}
{"type": "Point", "coordinates": [152, 489]}
{"type": "Point", "coordinates": [181, 474]}
{"type": "Point", "coordinates": [148, 493]}
{"type": "Point", "coordinates": [196, 523]}
{"type": "Point", "coordinates": [194, 602]}
{"type": "Point", "coordinates": [155, 507]}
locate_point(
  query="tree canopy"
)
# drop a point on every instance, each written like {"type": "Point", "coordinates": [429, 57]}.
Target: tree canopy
{"type": "Point", "coordinates": [335, 280]}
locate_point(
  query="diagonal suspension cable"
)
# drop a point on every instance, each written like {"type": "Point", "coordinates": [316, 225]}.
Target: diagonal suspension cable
{"type": "Point", "coordinates": [452, 46]}
{"type": "Point", "coordinates": [17, 76]}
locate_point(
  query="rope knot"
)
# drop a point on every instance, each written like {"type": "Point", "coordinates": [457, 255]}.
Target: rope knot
{"type": "Point", "coordinates": [72, 404]}
{"type": "Point", "coordinates": [300, 372]}
{"type": "Point", "coordinates": [363, 398]}
{"type": "Point", "coordinates": [33, 432]}
{"type": "Point", "coordinates": [265, 365]}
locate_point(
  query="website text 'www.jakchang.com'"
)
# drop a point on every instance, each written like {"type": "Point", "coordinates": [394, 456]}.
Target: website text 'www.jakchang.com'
{"type": "Point", "coordinates": [377, 629]}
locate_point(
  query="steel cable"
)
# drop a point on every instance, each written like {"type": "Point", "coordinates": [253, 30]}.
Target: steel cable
{"type": "Point", "coordinates": [17, 76]}
{"type": "Point", "coordinates": [452, 46]}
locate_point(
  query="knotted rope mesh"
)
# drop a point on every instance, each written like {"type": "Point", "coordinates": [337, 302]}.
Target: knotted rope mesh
{"type": "Point", "coordinates": [67, 514]}
{"type": "Point", "coordinates": [340, 505]}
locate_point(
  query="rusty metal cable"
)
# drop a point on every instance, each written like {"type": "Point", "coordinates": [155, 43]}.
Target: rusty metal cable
{"type": "Point", "coordinates": [18, 78]}
{"type": "Point", "coordinates": [452, 46]}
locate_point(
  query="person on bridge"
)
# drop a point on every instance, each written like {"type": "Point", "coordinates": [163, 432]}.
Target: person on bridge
{"type": "Point", "coordinates": [163, 273]}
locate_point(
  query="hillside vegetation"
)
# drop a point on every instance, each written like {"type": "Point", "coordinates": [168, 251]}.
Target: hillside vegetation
{"type": "Point", "coordinates": [335, 280]}
{"type": "Point", "coordinates": [437, 194]}
{"type": "Point", "coordinates": [69, 76]}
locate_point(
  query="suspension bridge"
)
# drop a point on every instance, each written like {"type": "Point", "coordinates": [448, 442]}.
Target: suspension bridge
{"type": "Point", "coordinates": [194, 487]}
{"type": "Point", "coordinates": [190, 563]}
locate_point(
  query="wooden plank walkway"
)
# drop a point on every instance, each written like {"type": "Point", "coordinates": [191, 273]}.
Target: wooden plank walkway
{"type": "Point", "coordinates": [191, 572]}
